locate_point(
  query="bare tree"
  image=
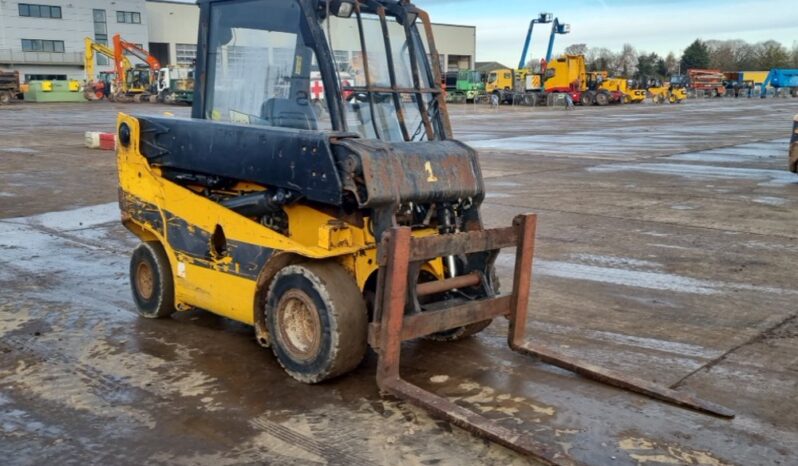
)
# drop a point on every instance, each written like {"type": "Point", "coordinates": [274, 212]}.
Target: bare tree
{"type": "Point", "coordinates": [626, 64]}
{"type": "Point", "coordinates": [600, 59]}
{"type": "Point", "coordinates": [672, 64]}
{"type": "Point", "coordinates": [576, 49]}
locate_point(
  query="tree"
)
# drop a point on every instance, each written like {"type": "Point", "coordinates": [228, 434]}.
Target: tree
{"type": "Point", "coordinates": [722, 54]}
{"type": "Point", "coordinates": [773, 55]}
{"type": "Point", "coordinates": [696, 55]}
{"type": "Point", "coordinates": [626, 64]}
{"type": "Point", "coordinates": [576, 49]}
{"type": "Point", "coordinates": [600, 59]}
{"type": "Point", "coordinates": [672, 64]}
{"type": "Point", "coordinates": [662, 68]}
{"type": "Point", "coordinates": [647, 66]}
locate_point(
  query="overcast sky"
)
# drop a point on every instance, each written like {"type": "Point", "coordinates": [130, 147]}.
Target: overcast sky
{"type": "Point", "coordinates": [651, 26]}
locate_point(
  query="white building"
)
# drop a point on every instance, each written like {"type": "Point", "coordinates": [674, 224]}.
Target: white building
{"type": "Point", "coordinates": [44, 40]}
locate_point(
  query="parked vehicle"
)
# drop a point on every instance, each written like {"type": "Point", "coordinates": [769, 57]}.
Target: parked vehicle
{"type": "Point", "coordinates": [176, 85]}
{"type": "Point", "coordinates": [781, 78]}
{"type": "Point", "coordinates": [568, 75]}
{"type": "Point", "coordinates": [9, 86]}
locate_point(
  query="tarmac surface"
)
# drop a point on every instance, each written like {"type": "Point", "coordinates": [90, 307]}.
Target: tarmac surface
{"type": "Point", "coordinates": [667, 250]}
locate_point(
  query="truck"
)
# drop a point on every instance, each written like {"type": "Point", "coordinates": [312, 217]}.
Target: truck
{"type": "Point", "coordinates": [9, 86]}
{"type": "Point", "coordinates": [176, 85]}
{"type": "Point", "coordinates": [469, 85]}
{"type": "Point", "coordinates": [519, 86]}
{"type": "Point", "coordinates": [568, 75]}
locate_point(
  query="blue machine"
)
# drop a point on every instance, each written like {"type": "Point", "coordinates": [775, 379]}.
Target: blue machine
{"type": "Point", "coordinates": [543, 18]}
{"type": "Point", "coordinates": [556, 28]}
{"type": "Point", "coordinates": [781, 78]}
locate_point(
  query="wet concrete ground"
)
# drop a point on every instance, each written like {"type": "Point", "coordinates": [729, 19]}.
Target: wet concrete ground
{"type": "Point", "coordinates": [667, 250]}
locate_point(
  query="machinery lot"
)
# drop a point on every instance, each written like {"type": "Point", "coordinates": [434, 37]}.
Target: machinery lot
{"type": "Point", "coordinates": [667, 250]}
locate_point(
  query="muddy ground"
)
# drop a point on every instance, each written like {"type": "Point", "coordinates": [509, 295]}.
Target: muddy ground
{"type": "Point", "coordinates": [668, 244]}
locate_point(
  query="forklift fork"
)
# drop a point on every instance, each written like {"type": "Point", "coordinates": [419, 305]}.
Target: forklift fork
{"type": "Point", "coordinates": [392, 327]}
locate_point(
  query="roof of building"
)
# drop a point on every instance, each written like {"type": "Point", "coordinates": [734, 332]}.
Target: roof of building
{"type": "Point", "coordinates": [485, 66]}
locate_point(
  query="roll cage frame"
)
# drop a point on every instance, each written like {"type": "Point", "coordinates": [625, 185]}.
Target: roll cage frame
{"type": "Point", "coordinates": [434, 114]}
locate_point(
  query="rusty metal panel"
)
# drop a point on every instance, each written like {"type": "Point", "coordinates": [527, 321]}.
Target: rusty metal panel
{"type": "Point", "coordinates": [477, 424]}
{"type": "Point", "coordinates": [626, 382]}
{"type": "Point", "coordinates": [401, 172]}
{"type": "Point", "coordinates": [441, 286]}
{"type": "Point", "coordinates": [427, 323]}
{"type": "Point", "coordinates": [431, 247]}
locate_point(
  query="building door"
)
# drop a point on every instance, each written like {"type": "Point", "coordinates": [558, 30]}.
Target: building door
{"type": "Point", "coordinates": [160, 50]}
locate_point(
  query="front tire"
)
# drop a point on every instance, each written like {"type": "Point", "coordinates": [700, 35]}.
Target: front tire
{"type": "Point", "coordinates": [318, 322]}
{"type": "Point", "coordinates": [151, 281]}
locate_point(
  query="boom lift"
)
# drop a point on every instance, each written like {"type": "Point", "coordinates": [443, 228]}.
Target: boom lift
{"type": "Point", "coordinates": [556, 28]}
{"type": "Point", "coordinates": [543, 18]}
{"type": "Point", "coordinates": [781, 78]}
{"type": "Point", "coordinates": [521, 85]}
{"type": "Point", "coordinates": [329, 232]}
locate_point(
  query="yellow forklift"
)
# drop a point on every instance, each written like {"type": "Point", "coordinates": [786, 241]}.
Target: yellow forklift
{"type": "Point", "coordinates": [329, 231]}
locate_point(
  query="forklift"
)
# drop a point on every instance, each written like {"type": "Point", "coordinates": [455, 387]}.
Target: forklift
{"type": "Point", "coordinates": [329, 232]}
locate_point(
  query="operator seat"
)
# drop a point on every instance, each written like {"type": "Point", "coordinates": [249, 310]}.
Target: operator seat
{"type": "Point", "coordinates": [288, 113]}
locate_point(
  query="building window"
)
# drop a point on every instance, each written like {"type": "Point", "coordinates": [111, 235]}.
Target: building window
{"type": "Point", "coordinates": [129, 17]}
{"type": "Point", "coordinates": [186, 53]}
{"type": "Point", "coordinates": [100, 33]}
{"type": "Point", "coordinates": [39, 11]}
{"type": "Point", "coordinates": [45, 77]}
{"type": "Point", "coordinates": [39, 45]}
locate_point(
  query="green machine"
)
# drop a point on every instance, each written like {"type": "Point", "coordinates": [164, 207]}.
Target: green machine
{"type": "Point", "coordinates": [54, 91]}
{"type": "Point", "coordinates": [470, 85]}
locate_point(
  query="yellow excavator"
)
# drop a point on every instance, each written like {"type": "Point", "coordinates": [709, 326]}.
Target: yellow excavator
{"type": "Point", "coordinates": [330, 231]}
{"type": "Point", "coordinates": [127, 82]}
{"type": "Point", "coordinates": [106, 85]}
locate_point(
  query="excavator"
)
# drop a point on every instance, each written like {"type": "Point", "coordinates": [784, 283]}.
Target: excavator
{"type": "Point", "coordinates": [98, 89]}
{"type": "Point", "coordinates": [330, 232]}
{"type": "Point", "coordinates": [127, 82]}
{"type": "Point", "coordinates": [137, 82]}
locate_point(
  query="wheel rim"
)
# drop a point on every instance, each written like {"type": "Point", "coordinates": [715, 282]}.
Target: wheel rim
{"type": "Point", "coordinates": [145, 282]}
{"type": "Point", "coordinates": [299, 325]}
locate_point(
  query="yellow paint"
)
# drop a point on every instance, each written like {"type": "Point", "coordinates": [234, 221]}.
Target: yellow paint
{"type": "Point", "coordinates": [208, 284]}
{"type": "Point", "coordinates": [431, 178]}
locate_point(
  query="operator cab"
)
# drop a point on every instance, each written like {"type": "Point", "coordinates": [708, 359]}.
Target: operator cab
{"type": "Point", "coordinates": [264, 69]}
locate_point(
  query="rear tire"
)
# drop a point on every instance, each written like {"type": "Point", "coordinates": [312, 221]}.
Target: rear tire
{"type": "Point", "coordinates": [151, 281]}
{"type": "Point", "coordinates": [586, 99]}
{"type": "Point", "coordinates": [602, 98]}
{"type": "Point", "coordinates": [318, 321]}
{"type": "Point", "coordinates": [5, 98]}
